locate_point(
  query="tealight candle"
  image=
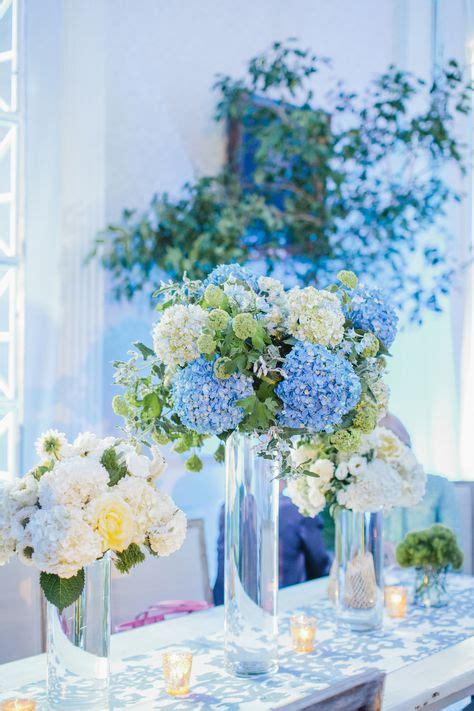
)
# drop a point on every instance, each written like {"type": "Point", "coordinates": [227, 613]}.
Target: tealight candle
{"type": "Point", "coordinates": [177, 672]}
{"type": "Point", "coordinates": [396, 600]}
{"type": "Point", "coordinates": [18, 705]}
{"type": "Point", "coordinates": [303, 632]}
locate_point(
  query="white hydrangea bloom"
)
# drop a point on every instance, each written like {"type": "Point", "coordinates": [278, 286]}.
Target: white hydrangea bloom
{"type": "Point", "coordinates": [87, 444]}
{"type": "Point", "coordinates": [381, 393]}
{"type": "Point", "coordinates": [168, 537]}
{"type": "Point", "coordinates": [24, 491]}
{"type": "Point", "coordinates": [306, 494]}
{"type": "Point", "coordinates": [315, 316]}
{"type": "Point", "coordinates": [73, 482]}
{"type": "Point", "coordinates": [62, 542]}
{"type": "Point", "coordinates": [7, 540]}
{"type": "Point", "coordinates": [176, 333]}
{"type": "Point", "coordinates": [376, 486]}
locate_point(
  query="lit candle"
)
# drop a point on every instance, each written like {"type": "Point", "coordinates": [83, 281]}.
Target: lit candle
{"type": "Point", "coordinates": [303, 632]}
{"type": "Point", "coordinates": [18, 705]}
{"type": "Point", "coordinates": [396, 600]}
{"type": "Point", "coordinates": [177, 672]}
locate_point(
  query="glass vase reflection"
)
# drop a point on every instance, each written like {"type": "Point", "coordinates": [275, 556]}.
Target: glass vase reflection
{"type": "Point", "coordinates": [359, 559]}
{"type": "Point", "coordinates": [78, 641]}
{"type": "Point", "coordinates": [431, 587]}
{"type": "Point", "coordinates": [251, 559]}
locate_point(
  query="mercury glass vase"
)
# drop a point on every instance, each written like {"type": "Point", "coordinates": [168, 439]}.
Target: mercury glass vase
{"type": "Point", "coordinates": [431, 587]}
{"type": "Point", "coordinates": [251, 559]}
{"type": "Point", "coordinates": [359, 558]}
{"type": "Point", "coordinates": [78, 641]}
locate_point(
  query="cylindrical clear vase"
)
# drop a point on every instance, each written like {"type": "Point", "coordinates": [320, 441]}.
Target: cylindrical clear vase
{"type": "Point", "coordinates": [431, 588]}
{"type": "Point", "coordinates": [359, 556]}
{"type": "Point", "coordinates": [78, 641]}
{"type": "Point", "coordinates": [251, 559]}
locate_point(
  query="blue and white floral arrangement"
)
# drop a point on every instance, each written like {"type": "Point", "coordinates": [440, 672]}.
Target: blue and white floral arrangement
{"type": "Point", "coordinates": [241, 352]}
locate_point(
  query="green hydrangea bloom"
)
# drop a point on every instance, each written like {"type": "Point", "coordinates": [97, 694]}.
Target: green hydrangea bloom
{"type": "Point", "coordinates": [219, 368]}
{"type": "Point", "coordinates": [244, 326]}
{"type": "Point", "coordinates": [435, 547]}
{"type": "Point", "coordinates": [366, 416]}
{"type": "Point", "coordinates": [206, 344]}
{"type": "Point", "coordinates": [215, 296]}
{"type": "Point", "coordinates": [348, 278]}
{"type": "Point", "coordinates": [372, 346]}
{"type": "Point", "coordinates": [346, 441]}
{"type": "Point", "coordinates": [218, 319]}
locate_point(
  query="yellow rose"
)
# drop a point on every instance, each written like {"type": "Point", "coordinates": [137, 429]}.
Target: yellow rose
{"type": "Point", "coordinates": [389, 448]}
{"type": "Point", "coordinates": [113, 520]}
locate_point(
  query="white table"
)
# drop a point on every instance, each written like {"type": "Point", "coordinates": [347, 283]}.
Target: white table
{"type": "Point", "coordinates": [429, 658]}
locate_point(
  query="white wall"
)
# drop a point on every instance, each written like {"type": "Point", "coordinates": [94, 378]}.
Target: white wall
{"type": "Point", "coordinates": [120, 107]}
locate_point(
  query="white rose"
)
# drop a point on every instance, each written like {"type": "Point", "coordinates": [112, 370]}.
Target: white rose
{"type": "Point", "coordinates": [138, 464]}
{"type": "Point", "coordinates": [356, 464]}
{"type": "Point", "coordinates": [158, 463]}
{"type": "Point", "coordinates": [324, 468]}
{"type": "Point", "coordinates": [342, 470]}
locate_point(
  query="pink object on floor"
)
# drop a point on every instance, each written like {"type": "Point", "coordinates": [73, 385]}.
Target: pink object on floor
{"type": "Point", "coordinates": [161, 610]}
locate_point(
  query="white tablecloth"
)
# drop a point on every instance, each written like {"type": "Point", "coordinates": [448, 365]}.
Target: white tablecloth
{"type": "Point", "coordinates": [136, 655]}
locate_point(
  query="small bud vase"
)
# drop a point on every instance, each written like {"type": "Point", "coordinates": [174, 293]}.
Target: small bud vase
{"type": "Point", "coordinates": [78, 641]}
{"type": "Point", "coordinates": [431, 587]}
{"type": "Point", "coordinates": [251, 559]}
{"type": "Point", "coordinates": [359, 558]}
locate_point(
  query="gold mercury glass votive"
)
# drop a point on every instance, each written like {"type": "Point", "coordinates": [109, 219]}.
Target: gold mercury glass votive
{"type": "Point", "coordinates": [396, 600]}
{"type": "Point", "coordinates": [177, 672]}
{"type": "Point", "coordinates": [303, 632]}
{"type": "Point", "coordinates": [18, 705]}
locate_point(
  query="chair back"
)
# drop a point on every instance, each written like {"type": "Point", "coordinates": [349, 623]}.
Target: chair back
{"type": "Point", "coordinates": [182, 576]}
{"type": "Point", "coordinates": [363, 692]}
{"type": "Point", "coordinates": [21, 612]}
{"type": "Point", "coordinates": [465, 500]}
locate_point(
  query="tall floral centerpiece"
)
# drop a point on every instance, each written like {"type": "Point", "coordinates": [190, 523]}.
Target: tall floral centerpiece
{"type": "Point", "coordinates": [359, 482]}
{"type": "Point", "coordinates": [85, 503]}
{"type": "Point", "coordinates": [241, 358]}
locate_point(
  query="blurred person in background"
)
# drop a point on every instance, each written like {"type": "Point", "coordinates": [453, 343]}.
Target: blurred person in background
{"type": "Point", "coordinates": [437, 506]}
{"type": "Point", "coordinates": [302, 552]}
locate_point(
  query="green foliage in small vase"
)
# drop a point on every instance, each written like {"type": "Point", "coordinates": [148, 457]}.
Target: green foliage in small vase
{"type": "Point", "coordinates": [435, 547]}
{"type": "Point", "coordinates": [337, 178]}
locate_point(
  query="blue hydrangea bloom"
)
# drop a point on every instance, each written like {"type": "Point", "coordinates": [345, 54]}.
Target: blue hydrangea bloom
{"type": "Point", "coordinates": [320, 388]}
{"type": "Point", "coordinates": [206, 404]}
{"type": "Point", "coordinates": [221, 273]}
{"type": "Point", "coordinates": [371, 312]}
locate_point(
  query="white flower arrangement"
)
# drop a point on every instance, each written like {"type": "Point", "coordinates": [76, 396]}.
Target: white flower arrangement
{"type": "Point", "coordinates": [382, 474]}
{"type": "Point", "coordinates": [84, 499]}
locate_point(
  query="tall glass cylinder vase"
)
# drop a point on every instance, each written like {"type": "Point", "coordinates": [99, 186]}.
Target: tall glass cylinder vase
{"type": "Point", "coordinates": [359, 556]}
{"type": "Point", "coordinates": [78, 641]}
{"type": "Point", "coordinates": [251, 559]}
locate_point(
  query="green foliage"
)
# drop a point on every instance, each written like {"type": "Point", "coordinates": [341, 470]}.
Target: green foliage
{"type": "Point", "coordinates": [115, 468]}
{"type": "Point", "coordinates": [62, 592]}
{"type": "Point", "coordinates": [339, 178]}
{"type": "Point", "coordinates": [130, 557]}
{"type": "Point", "coordinates": [193, 464]}
{"type": "Point", "coordinates": [435, 547]}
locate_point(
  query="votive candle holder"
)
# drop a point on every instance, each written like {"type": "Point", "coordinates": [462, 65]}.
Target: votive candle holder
{"type": "Point", "coordinates": [303, 633]}
{"type": "Point", "coordinates": [396, 598]}
{"type": "Point", "coordinates": [177, 667]}
{"type": "Point", "coordinates": [18, 705]}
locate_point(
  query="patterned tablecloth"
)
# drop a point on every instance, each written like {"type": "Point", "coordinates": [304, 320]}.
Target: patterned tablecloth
{"type": "Point", "coordinates": [138, 679]}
